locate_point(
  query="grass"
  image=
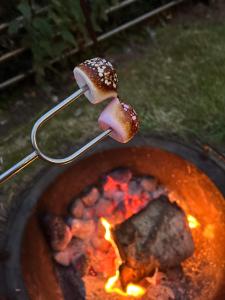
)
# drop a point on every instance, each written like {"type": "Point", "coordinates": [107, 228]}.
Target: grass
{"type": "Point", "coordinates": [178, 86]}
{"type": "Point", "coordinates": [176, 82]}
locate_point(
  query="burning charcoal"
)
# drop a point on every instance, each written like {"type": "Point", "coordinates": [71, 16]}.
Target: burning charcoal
{"type": "Point", "coordinates": [100, 229]}
{"type": "Point", "coordinates": [103, 263]}
{"type": "Point", "coordinates": [121, 175]}
{"type": "Point", "coordinates": [104, 208]}
{"type": "Point", "coordinates": [100, 244]}
{"type": "Point", "coordinates": [118, 197]}
{"type": "Point", "coordinates": [90, 198]}
{"type": "Point", "coordinates": [110, 187]}
{"type": "Point", "coordinates": [109, 194]}
{"type": "Point", "coordinates": [160, 292]}
{"type": "Point", "coordinates": [70, 282]}
{"type": "Point", "coordinates": [157, 278]}
{"type": "Point", "coordinates": [72, 252]}
{"type": "Point", "coordinates": [77, 209]}
{"type": "Point", "coordinates": [82, 229]}
{"type": "Point", "coordinates": [134, 188]}
{"type": "Point", "coordinates": [146, 197]}
{"type": "Point", "coordinates": [156, 236]}
{"type": "Point", "coordinates": [81, 264]}
{"type": "Point", "coordinates": [57, 232]}
{"type": "Point", "coordinates": [160, 191]}
{"type": "Point", "coordinates": [149, 183]}
{"type": "Point", "coordinates": [89, 213]}
{"type": "Point", "coordinates": [117, 217]}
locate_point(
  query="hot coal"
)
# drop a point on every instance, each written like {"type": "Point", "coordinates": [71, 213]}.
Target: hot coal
{"type": "Point", "coordinates": [82, 229]}
{"type": "Point", "coordinates": [57, 232]}
{"type": "Point", "coordinates": [70, 282]}
{"type": "Point", "coordinates": [77, 209]}
{"type": "Point", "coordinates": [74, 250]}
{"type": "Point", "coordinates": [157, 236]}
{"type": "Point", "coordinates": [91, 197]}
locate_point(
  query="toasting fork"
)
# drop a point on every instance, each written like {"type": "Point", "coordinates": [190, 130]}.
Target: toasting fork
{"type": "Point", "coordinates": [37, 153]}
{"type": "Point", "coordinates": [97, 80]}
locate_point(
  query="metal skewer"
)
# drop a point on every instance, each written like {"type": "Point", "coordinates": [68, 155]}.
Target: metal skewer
{"type": "Point", "coordinates": [37, 153]}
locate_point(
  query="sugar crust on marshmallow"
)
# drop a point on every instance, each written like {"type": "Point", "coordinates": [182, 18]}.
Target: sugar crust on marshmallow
{"type": "Point", "coordinates": [121, 118]}
{"type": "Point", "coordinates": [100, 77]}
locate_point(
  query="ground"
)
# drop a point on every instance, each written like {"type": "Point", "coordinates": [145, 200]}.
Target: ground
{"type": "Point", "coordinates": [173, 73]}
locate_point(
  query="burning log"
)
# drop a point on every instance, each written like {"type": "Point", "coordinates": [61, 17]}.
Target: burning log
{"type": "Point", "coordinates": [157, 236]}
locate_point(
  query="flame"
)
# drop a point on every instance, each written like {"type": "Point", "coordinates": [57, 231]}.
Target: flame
{"type": "Point", "coordinates": [110, 286]}
{"type": "Point", "coordinates": [192, 222]}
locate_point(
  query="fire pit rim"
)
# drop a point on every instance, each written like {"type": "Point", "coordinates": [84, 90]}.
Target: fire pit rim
{"type": "Point", "coordinates": [12, 284]}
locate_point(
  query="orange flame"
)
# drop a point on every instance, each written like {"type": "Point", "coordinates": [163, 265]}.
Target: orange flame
{"type": "Point", "coordinates": [110, 286]}
{"type": "Point", "coordinates": [192, 222]}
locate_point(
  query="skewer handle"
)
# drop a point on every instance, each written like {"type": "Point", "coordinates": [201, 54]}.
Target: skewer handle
{"type": "Point", "coordinates": [18, 166]}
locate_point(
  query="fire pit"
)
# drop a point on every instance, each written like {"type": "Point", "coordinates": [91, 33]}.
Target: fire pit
{"type": "Point", "coordinates": [161, 168]}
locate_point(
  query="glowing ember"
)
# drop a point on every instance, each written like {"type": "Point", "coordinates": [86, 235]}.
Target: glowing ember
{"type": "Point", "coordinates": [110, 286]}
{"type": "Point", "coordinates": [133, 203]}
{"type": "Point", "coordinates": [192, 222]}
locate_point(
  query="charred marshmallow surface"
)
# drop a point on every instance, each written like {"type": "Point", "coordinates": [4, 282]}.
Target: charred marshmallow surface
{"type": "Point", "coordinates": [121, 118]}
{"type": "Point", "coordinates": [100, 77]}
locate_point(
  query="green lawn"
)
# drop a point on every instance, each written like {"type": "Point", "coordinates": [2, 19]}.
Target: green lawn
{"type": "Point", "coordinates": [178, 86]}
{"type": "Point", "coordinates": [176, 82]}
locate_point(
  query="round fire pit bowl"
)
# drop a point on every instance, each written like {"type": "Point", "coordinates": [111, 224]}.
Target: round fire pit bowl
{"type": "Point", "coordinates": [194, 179]}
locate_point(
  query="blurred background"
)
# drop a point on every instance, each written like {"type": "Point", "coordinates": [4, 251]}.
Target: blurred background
{"type": "Point", "coordinates": [170, 59]}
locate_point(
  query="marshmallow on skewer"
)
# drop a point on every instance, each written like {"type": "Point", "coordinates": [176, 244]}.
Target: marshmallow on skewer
{"type": "Point", "coordinates": [100, 77]}
{"type": "Point", "coordinates": [121, 118]}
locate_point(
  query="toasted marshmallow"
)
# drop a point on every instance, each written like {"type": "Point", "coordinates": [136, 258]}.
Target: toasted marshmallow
{"type": "Point", "coordinates": [100, 77]}
{"type": "Point", "coordinates": [121, 118]}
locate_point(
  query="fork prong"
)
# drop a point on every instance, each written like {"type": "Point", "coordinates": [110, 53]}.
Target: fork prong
{"type": "Point", "coordinates": [34, 155]}
{"type": "Point", "coordinates": [76, 154]}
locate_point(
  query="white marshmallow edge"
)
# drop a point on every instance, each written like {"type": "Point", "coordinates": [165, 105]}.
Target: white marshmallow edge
{"type": "Point", "coordinates": [119, 119]}
{"type": "Point", "coordinates": [94, 93]}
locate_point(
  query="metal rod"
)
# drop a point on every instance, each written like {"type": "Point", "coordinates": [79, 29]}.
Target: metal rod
{"type": "Point", "coordinates": [4, 26]}
{"type": "Point", "coordinates": [115, 7]}
{"type": "Point", "coordinates": [139, 19]}
{"type": "Point", "coordinates": [76, 154]}
{"type": "Point", "coordinates": [18, 166]}
{"type": "Point", "coordinates": [63, 104]}
{"type": "Point", "coordinates": [13, 53]}
{"type": "Point", "coordinates": [100, 38]}
{"type": "Point", "coordinates": [119, 6]}
{"type": "Point", "coordinates": [35, 154]}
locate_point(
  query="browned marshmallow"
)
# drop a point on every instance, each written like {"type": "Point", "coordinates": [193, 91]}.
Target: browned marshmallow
{"type": "Point", "coordinates": [100, 77]}
{"type": "Point", "coordinates": [121, 118]}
